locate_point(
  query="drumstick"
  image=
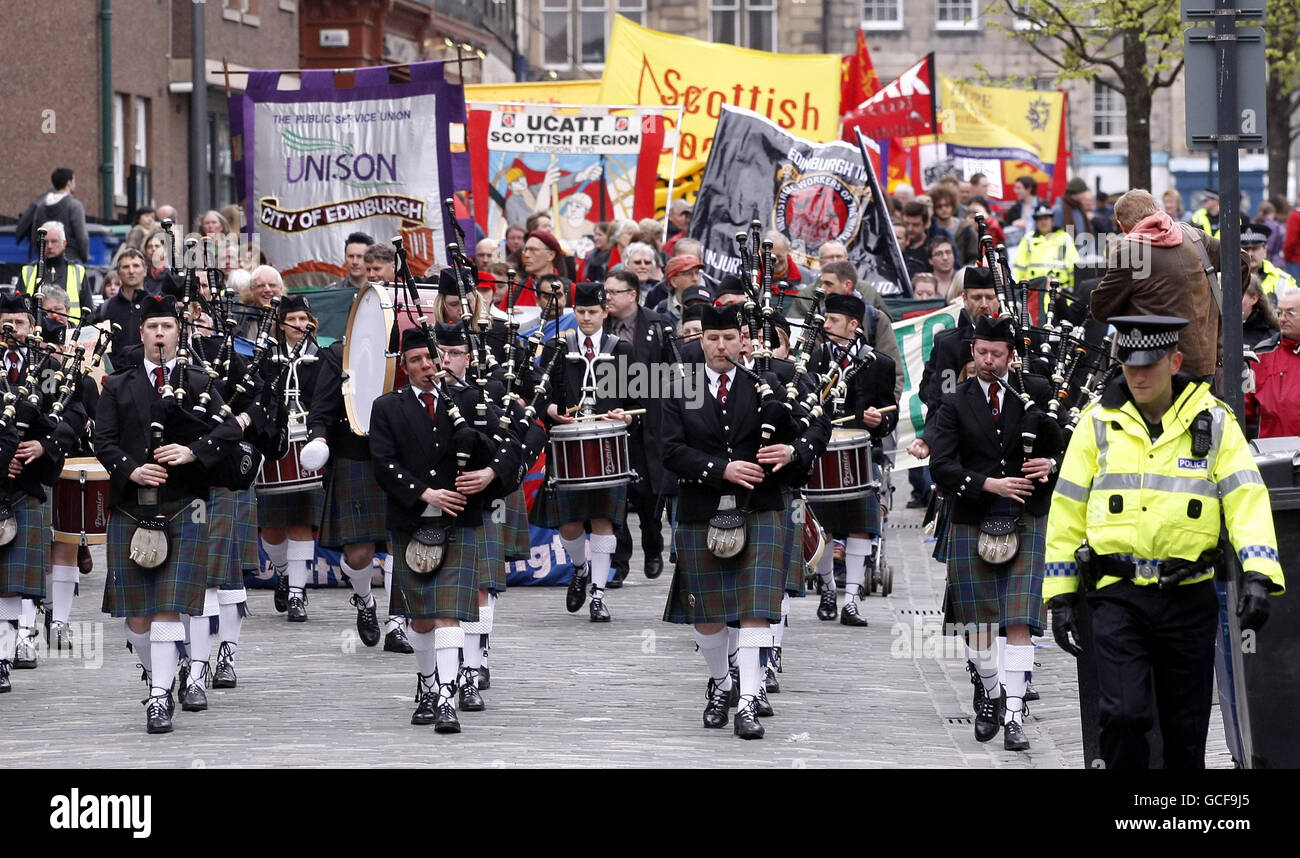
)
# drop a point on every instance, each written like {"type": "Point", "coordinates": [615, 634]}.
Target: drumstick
{"type": "Point", "coordinates": [632, 413]}
{"type": "Point", "coordinates": [846, 418]}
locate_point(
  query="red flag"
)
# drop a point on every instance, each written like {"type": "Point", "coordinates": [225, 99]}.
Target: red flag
{"type": "Point", "coordinates": [903, 108]}
{"type": "Point", "coordinates": [858, 78]}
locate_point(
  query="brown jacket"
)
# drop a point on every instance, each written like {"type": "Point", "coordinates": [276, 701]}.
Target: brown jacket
{"type": "Point", "coordinates": [1168, 281]}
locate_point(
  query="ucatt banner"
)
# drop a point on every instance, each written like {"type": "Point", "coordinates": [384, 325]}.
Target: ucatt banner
{"type": "Point", "coordinates": [582, 165]}
{"type": "Point", "coordinates": [915, 342]}
{"type": "Point", "coordinates": [800, 93]}
{"type": "Point", "coordinates": [317, 163]}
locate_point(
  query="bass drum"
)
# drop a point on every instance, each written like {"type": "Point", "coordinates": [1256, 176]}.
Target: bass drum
{"type": "Point", "coordinates": [368, 366]}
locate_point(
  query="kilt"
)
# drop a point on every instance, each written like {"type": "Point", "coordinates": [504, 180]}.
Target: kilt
{"type": "Point", "coordinates": [726, 591]}
{"type": "Point", "coordinates": [1007, 594]}
{"type": "Point", "coordinates": [840, 518]}
{"type": "Point", "coordinates": [492, 568]}
{"type": "Point", "coordinates": [356, 508]}
{"type": "Point", "coordinates": [518, 541]}
{"type": "Point", "coordinates": [245, 554]}
{"type": "Point", "coordinates": [452, 591]}
{"type": "Point", "coordinates": [582, 505]}
{"type": "Point", "coordinates": [286, 510]}
{"type": "Point", "coordinates": [794, 569]}
{"type": "Point", "coordinates": [177, 585]}
{"type": "Point", "coordinates": [223, 529]}
{"type": "Point", "coordinates": [24, 561]}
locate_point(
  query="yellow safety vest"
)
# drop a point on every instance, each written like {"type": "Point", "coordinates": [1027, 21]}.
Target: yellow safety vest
{"type": "Point", "coordinates": [1051, 255]}
{"type": "Point", "coordinates": [1274, 281]}
{"type": "Point", "coordinates": [75, 276]}
{"type": "Point", "coordinates": [1153, 500]}
{"type": "Point", "coordinates": [1201, 220]}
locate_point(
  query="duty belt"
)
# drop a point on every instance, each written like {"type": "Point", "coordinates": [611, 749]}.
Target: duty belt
{"type": "Point", "coordinates": [1162, 573]}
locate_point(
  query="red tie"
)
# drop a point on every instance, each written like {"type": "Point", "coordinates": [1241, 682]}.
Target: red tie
{"type": "Point", "coordinates": [591, 351]}
{"type": "Point", "coordinates": [159, 380]}
{"type": "Point", "coordinates": [13, 359]}
{"type": "Point", "coordinates": [428, 400]}
{"type": "Point", "coordinates": [993, 402]}
{"type": "Point", "coordinates": [722, 389]}
{"type": "Point", "coordinates": [847, 360]}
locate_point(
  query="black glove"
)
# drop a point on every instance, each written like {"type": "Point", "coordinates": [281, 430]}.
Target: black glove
{"type": "Point", "coordinates": [1064, 627]}
{"type": "Point", "coordinates": [1252, 602]}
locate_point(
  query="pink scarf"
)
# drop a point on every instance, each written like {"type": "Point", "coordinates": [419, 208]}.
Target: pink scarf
{"type": "Point", "coordinates": [1157, 229]}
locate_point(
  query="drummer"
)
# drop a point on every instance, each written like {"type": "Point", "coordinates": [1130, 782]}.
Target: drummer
{"type": "Point", "coordinates": [576, 510]}
{"type": "Point", "coordinates": [870, 391]}
{"type": "Point", "coordinates": [33, 460]}
{"type": "Point", "coordinates": [287, 519]}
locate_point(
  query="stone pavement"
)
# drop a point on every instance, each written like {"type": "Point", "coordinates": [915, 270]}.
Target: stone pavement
{"type": "Point", "coordinates": [566, 692]}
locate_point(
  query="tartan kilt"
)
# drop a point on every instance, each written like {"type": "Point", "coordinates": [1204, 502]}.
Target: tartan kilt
{"type": "Point", "coordinates": [223, 528]}
{"type": "Point", "coordinates": [794, 569]}
{"type": "Point", "coordinates": [840, 518]}
{"type": "Point", "coordinates": [726, 591]}
{"type": "Point", "coordinates": [492, 568]}
{"type": "Point", "coordinates": [1007, 594]}
{"type": "Point", "coordinates": [356, 508]}
{"type": "Point", "coordinates": [286, 510]}
{"type": "Point", "coordinates": [581, 505]}
{"type": "Point", "coordinates": [177, 585]}
{"type": "Point", "coordinates": [518, 541]}
{"type": "Point", "coordinates": [245, 554]}
{"type": "Point", "coordinates": [24, 561]}
{"type": "Point", "coordinates": [452, 591]}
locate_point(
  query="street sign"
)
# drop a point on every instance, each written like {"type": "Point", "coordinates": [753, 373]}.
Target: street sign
{"type": "Point", "coordinates": [1201, 74]}
{"type": "Point", "coordinates": [1203, 10]}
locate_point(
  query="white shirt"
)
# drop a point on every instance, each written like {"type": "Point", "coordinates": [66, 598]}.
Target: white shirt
{"type": "Point", "coordinates": [1003, 391]}
{"type": "Point", "coordinates": [713, 380]}
{"type": "Point", "coordinates": [150, 366]}
{"type": "Point", "coordinates": [582, 341]}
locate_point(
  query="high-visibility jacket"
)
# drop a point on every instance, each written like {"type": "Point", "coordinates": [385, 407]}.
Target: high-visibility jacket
{"type": "Point", "coordinates": [1050, 255]}
{"type": "Point", "coordinates": [1201, 220]}
{"type": "Point", "coordinates": [73, 278]}
{"type": "Point", "coordinates": [1274, 281]}
{"type": "Point", "coordinates": [1154, 500]}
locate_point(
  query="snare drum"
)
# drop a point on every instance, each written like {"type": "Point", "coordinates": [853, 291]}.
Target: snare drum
{"type": "Point", "coordinates": [590, 454]}
{"type": "Point", "coordinates": [846, 470]}
{"type": "Point", "coordinates": [81, 503]}
{"type": "Point", "coordinates": [287, 475]}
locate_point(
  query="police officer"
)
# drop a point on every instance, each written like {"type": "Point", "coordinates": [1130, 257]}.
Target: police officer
{"type": "Point", "coordinates": [1273, 281]}
{"type": "Point", "coordinates": [1206, 218]}
{"type": "Point", "coordinates": [1046, 252]}
{"type": "Point", "coordinates": [1148, 474]}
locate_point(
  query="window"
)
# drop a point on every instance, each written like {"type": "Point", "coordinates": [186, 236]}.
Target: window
{"type": "Point", "coordinates": [1108, 117]}
{"type": "Point", "coordinates": [556, 48]}
{"type": "Point", "coordinates": [882, 14]}
{"type": "Point", "coordinates": [591, 32]}
{"type": "Point", "coordinates": [633, 9]}
{"type": "Point", "coordinates": [747, 23]}
{"type": "Point", "coordinates": [956, 15]}
{"type": "Point", "coordinates": [140, 132]}
{"type": "Point", "coordinates": [119, 148]}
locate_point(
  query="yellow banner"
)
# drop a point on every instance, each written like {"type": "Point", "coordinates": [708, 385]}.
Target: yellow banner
{"type": "Point", "coordinates": [799, 92]}
{"type": "Point", "coordinates": [1008, 124]}
{"type": "Point", "coordinates": [543, 92]}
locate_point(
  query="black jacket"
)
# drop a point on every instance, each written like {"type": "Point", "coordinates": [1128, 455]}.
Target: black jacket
{"type": "Point", "coordinates": [652, 355]}
{"type": "Point", "coordinates": [58, 439]}
{"type": "Point", "coordinates": [966, 446]}
{"type": "Point", "coordinates": [948, 354]}
{"type": "Point", "coordinates": [568, 375]}
{"type": "Point", "coordinates": [328, 417]}
{"type": "Point", "coordinates": [871, 387]}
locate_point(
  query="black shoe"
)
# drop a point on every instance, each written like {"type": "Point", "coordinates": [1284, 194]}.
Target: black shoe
{"type": "Point", "coordinates": [182, 672]}
{"type": "Point", "coordinates": [672, 557]}
{"type": "Point", "coordinates": [426, 701]}
{"type": "Point", "coordinates": [484, 678]}
{"type": "Point", "coordinates": [716, 705]}
{"type": "Point", "coordinates": [5, 685]}
{"type": "Point", "coordinates": [988, 717]}
{"type": "Point", "coordinates": [762, 707]}
{"type": "Point", "coordinates": [915, 502]}
{"type": "Point", "coordinates": [746, 724]}
{"type": "Point", "coordinates": [827, 610]}
{"type": "Point", "coordinates": [849, 616]}
{"type": "Point", "coordinates": [470, 700]}
{"type": "Point", "coordinates": [25, 652]}
{"type": "Point", "coordinates": [298, 608]}
{"type": "Point", "coordinates": [396, 641]}
{"type": "Point", "coordinates": [367, 622]}
{"type": "Point", "coordinates": [1030, 693]}
{"type": "Point", "coordinates": [576, 597]}
{"type": "Point", "coordinates": [158, 714]}
{"type": "Point", "coordinates": [281, 597]}
{"type": "Point", "coordinates": [194, 698]}
{"type": "Point", "coordinates": [770, 683]}
{"type": "Point", "coordinates": [445, 720]}
{"type": "Point", "coordinates": [599, 613]}
{"type": "Point", "coordinates": [616, 579]}
{"type": "Point", "coordinates": [1013, 737]}
{"type": "Point", "coordinates": [224, 675]}
{"type": "Point", "coordinates": [978, 694]}
{"type": "Point", "coordinates": [654, 567]}
{"type": "Point", "coordinates": [733, 697]}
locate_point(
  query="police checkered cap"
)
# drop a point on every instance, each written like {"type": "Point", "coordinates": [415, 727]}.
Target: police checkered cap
{"type": "Point", "coordinates": [1142, 340]}
{"type": "Point", "coordinates": [1255, 235]}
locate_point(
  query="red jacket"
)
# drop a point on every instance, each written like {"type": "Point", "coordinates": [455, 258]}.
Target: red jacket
{"type": "Point", "coordinates": [1276, 400]}
{"type": "Point", "coordinates": [1291, 245]}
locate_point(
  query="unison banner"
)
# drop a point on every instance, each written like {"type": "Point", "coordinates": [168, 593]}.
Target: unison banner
{"type": "Point", "coordinates": [915, 342]}
{"type": "Point", "coordinates": [810, 192]}
{"type": "Point", "coordinates": [317, 163]}
{"type": "Point", "coordinates": [581, 164]}
{"type": "Point", "coordinates": [798, 92]}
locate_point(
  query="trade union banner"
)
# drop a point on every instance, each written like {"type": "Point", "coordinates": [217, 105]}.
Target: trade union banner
{"type": "Point", "coordinates": [915, 342]}
{"type": "Point", "coordinates": [317, 163]}
{"type": "Point", "coordinates": [582, 165]}
{"type": "Point", "coordinates": [810, 192]}
{"type": "Point", "coordinates": [799, 93]}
